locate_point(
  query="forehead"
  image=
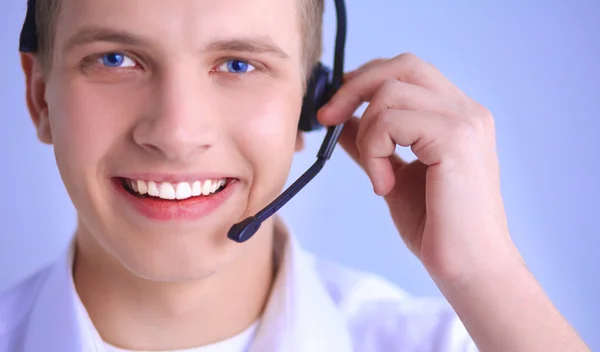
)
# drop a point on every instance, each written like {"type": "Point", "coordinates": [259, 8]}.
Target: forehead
{"type": "Point", "coordinates": [186, 24]}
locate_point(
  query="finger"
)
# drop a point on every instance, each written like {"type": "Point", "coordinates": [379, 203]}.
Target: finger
{"type": "Point", "coordinates": [406, 68]}
{"type": "Point", "coordinates": [350, 75]}
{"type": "Point", "coordinates": [416, 129]}
{"type": "Point", "coordinates": [398, 95]}
{"type": "Point", "coordinates": [415, 70]}
{"type": "Point", "coordinates": [347, 141]}
{"type": "Point", "coordinates": [375, 151]}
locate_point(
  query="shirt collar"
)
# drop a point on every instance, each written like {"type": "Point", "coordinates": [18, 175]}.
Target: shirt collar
{"type": "Point", "coordinates": [56, 322]}
{"type": "Point", "coordinates": [299, 316]}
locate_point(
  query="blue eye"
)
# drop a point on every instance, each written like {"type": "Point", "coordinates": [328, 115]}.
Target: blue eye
{"type": "Point", "coordinates": [236, 66]}
{"type": "Point", "coordinates": [116, 60]}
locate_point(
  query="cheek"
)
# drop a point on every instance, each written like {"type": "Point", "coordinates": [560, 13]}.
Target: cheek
{"type": "Point", "coordinates": [86, 122]}
{"type": "Point", "coordinates": [264, 125]}
{"type": "Point", "coordinates": [86, 119]}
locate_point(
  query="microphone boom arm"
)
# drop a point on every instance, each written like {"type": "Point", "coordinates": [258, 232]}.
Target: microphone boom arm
{"type": "Point", "coordinates": [242, 231]}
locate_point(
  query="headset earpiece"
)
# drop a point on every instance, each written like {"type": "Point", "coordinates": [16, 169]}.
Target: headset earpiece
{"type": "Point", "coordinates": [317, 94]}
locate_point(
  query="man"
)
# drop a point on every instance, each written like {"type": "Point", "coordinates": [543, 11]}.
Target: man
{"type": "Point", "coordinates": [173, 120]}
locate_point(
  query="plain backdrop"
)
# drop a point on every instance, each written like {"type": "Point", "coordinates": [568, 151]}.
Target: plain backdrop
{"type": "Point", "coordinates": [533, 63]}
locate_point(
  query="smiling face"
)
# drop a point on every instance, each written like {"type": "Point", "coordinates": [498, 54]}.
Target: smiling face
{"type": "Point", "coordinates": [192, 103]}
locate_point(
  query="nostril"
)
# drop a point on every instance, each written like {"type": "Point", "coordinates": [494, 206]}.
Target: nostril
{"type": "Point", "coordinates": [151, 148]}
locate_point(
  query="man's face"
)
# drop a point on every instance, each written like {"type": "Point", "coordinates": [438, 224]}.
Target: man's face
{"type": "Point", "coordinates": [188, 94]}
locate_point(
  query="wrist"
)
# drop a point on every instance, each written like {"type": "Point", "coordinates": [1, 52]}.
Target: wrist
{"type": "Point", "coordinates": [477, 263]}
{"type": "Point", "coordinates": [504, 308]}
{"type": "Point", "coordinates": [496, 272]}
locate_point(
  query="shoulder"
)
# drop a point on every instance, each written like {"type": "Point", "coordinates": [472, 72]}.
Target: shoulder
{"type": "Point", "coordinates": [382, 317]}
{"type": "Point", "coordinates": [16, 302]}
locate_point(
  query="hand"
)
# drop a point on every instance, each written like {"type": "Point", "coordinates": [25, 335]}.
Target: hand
{"type": "Point", "coordinates": [447, 205]}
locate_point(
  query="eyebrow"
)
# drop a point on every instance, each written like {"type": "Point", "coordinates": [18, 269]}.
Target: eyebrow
{"type": "Point", "coordinates": [257, 45]}
{"type": "Point", "coordinates": [88, 35]}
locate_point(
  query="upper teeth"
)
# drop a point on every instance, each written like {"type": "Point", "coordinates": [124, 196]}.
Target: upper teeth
{"type": "Point", "coordinates": [181, 190]}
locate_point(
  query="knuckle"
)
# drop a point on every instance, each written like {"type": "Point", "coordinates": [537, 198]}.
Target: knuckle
{"type": "Point", "coordinates": [407, 57]}
{"type": "Point", "coordinates": [463, 101]}
{"type": "Point", "coordinates": [485, 114]}
{"type": "Point", "coordinates": [386, 119]}
{"type": "Point", "coordinates": [384, 96]}
{"type": "Point", "coordinates": [388, 86]}
{"type": "Point", "coordinates": [409, 63]}
{"type": "Point", "coordinates": [378, 61]}
{"type": "Point", "coordinates": [374, 62]}
{"type": "Point", "coordinates": [482, 115]}
{"type": "Point", "coordinates": [464, 132]}
{"type": "Point", "coordinates": [370, 67]}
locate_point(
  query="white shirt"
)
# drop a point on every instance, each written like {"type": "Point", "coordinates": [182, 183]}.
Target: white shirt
{"type": "Point", "coordinates": [315, 306]}
{"type": "Point", "coordinates": [238, 343]}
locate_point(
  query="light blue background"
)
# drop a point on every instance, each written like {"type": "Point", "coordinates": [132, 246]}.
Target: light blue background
{"type": "Point", "coordinates": [533, 63]}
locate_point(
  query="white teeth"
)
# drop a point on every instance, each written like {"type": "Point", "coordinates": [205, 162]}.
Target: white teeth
{"type": "Point", "coordinates": [152, 189]}
{"type": "Point", "coordinates": [142, 187]}
{"type": "Point", "coordinates": [197, 188]}
{"type": "Point", "coordinates": [134, 185]}
{"type": "Point", "coordinates": [180, 191]}
{"type": "Point", "coordinates": [167, 191]}
{"type": "Point", "coordinates": [183, 190]}
{"type": "Point", "coordinates": [206, 187]}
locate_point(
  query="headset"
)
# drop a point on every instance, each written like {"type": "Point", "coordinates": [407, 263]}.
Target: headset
{"type": "Point", "coordinates": [322, 85]}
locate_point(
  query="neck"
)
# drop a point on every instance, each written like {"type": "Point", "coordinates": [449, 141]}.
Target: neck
{"type": "Point", "coordinates": [134, 313]}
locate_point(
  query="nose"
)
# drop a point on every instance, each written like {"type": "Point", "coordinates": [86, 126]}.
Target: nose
{"type": "Point", "coordinates": [179, 122]}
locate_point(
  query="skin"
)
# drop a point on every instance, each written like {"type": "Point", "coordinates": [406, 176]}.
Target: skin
{"type": "Point", "coordinates": [447, 205]}
{"type": "Point", "coordinates": [177, 111]}
{"type": "Point", "coordinates": [174, 114]}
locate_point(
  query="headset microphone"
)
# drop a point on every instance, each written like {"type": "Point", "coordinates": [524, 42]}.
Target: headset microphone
{"type": "Point", "coordinates": [321, 87]}
{"type": "Point", "coordinates": [242, 231]}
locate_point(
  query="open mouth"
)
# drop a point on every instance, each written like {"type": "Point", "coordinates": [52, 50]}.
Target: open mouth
{"type": "Point", "coordinates": [174, 191]}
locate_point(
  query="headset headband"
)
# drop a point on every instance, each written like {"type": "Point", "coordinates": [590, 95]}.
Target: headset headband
{"type": "Point", "coordinates": [28, 42]}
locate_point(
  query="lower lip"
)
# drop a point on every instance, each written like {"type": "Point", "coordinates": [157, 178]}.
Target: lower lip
{"type": "Point", "coordinates": [192, 208]}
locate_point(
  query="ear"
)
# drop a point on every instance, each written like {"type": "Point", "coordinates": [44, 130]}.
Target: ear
{"type": "Point", "coordinates": [36, 96]}
{"type": "Point", "coordinates": [299, 141]}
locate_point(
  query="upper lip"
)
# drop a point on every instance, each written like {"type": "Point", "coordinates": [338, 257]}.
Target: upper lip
{"type": "Point", "coordinates": [176, 178]}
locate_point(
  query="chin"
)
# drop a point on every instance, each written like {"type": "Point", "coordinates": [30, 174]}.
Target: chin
{"type": "Point", "coordinates": [175, 256]}
{"type": "Point", "coordinates": [167, 251]}
{"type": "Point", "coordinates": [173, 273]}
